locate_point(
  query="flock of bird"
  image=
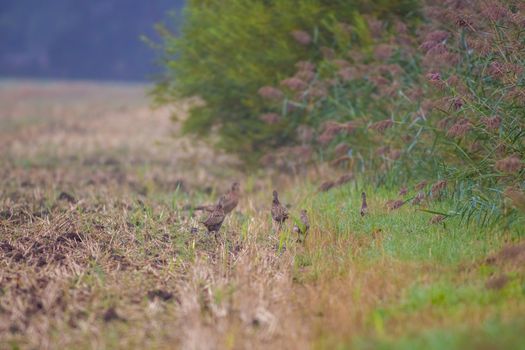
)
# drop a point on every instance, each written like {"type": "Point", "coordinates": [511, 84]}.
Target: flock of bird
{"type": "Point", "coordinates": [228, 202]}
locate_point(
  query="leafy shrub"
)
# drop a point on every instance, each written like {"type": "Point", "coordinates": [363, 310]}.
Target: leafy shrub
{"type": "Point", "coordinates": [229, 50]}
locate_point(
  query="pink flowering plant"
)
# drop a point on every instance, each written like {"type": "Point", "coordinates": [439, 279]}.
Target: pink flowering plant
{"type": "Point", "coordinates": [443, 101]}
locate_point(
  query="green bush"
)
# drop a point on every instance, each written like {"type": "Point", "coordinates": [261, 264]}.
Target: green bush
{"type": "Point", "coordinates": [228, 50]}
{"type": "Point", "coordinates": [369, 86]}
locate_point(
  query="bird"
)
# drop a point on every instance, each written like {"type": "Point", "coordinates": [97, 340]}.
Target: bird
{"type": "Point", "coordinates": [229, 201]}
{"type": "Point", "coordinates": [364, 206]}
{"type": "Point", "coordinates": [214, 221]}
{"type": "Point", "coordinates": [279, 212]}
{"type": "Point", "coordinates": [305, 221]}
{"type": "Point", "coordinates": [302, 232]}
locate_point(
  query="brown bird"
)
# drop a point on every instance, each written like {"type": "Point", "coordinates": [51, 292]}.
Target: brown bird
{"type": "Point", "coordinates": [279, 212]}
{"type": "Point", "coordinates": [364, 206]}
{"type": "Point", "coordinates": [305, 221]}
{"type": "Point", "coordinates": [302, 232]}
{"type": "Point", "coordinates": [229, 201]}
{"type": "Point", "coordinates": [214, 221]}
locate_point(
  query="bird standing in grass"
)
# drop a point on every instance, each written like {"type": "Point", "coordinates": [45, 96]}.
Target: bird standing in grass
{"type": "Point", "coordinates": [279, 212]}
{"type": "Point", "coordinates": [229, 201]}
{"type": "Point", "coordinates": [302, 231]}
{"type": "Point", "coordinates": [305, 221]}
{"type": "Point", "coordinates": [364, 206]}
{"type": "Point", "coordinates": [214, 221]}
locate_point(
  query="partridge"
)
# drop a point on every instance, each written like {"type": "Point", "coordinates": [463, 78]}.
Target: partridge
{"type": "Point", "coordinates": [279, 212]}
{"type": "Point", "coordinates": [364, 206]}
{"type": "Point", "coordinates": [302, 232]}
{"type": "Point", "coordinates": [305, 221]}
{"type": "Point", "coordinates": [229, 201]}
{"type": "Point", "coordinates": [214, 221]}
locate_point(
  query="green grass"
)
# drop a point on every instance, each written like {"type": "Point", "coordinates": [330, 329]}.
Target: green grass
{"type": "Point", "coordinates": [390, 280]}
{"type": "Point", "coordinates": [446, 280]}
{"type": "Point", "coordinates": [492, 334]}
{"type": "Point", "coordinates": [405, 233]}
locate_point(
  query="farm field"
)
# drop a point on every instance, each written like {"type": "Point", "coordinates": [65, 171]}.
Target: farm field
{"type": "Point", "coordinates": [100, 247]}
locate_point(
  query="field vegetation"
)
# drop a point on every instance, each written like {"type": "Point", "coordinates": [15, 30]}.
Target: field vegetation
{"type": "Point", "coordinates": [98, 249]}
{"type": "Point", "coordinates": [417, 105]}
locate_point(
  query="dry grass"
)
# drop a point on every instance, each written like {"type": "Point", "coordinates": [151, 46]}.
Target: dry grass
{"type": "Point", "coordinates": [96, 250]}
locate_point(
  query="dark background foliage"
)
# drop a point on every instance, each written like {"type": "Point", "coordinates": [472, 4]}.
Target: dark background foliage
{"type": "Point", "coordinates": [95, 39]}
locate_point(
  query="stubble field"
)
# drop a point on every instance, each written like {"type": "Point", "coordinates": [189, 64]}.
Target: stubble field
{"type": "Point", "coordinates": [99, 250]}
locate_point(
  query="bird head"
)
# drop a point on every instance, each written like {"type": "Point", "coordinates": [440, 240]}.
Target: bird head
{"type": "Point", "coordinates": [236, 187]}
{"type": "Point", "coordinates": [275, 196]}
{"type": "Point", "coordinates": [363, 195]}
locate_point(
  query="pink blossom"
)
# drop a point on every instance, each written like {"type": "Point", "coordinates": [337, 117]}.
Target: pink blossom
{"type": "Point", "coordinates": [294, 84]}
{"type": "Point", "coordinates": [433, 76]}
{"type": "Point", "coordinates": [438, 187]}
{"type": "Point", "coordinates": [437, 36]}
{"type": "Point", "coordinates": [457, 103]}
{"type": "Point", "coordinates": [305, 66]}
{"type": "Point", "coordinates": [341, 149]}
{"type": "Point", "coordinates": [347, 74]}
{"type": "Point", "coordinates": [270, 118]}
{"type": "Point", "coordinates": [382, 125]}
{"type": "Point", "coordinates": [492, 123]}
{"type": "Point", "coordinates": [305, 133]}
{"type": "Point", "coordinates": [383, 52]}
{"type": "Point", "coordinates": [460, 128]}
{"type": "Point", "coordinates": [270, 93]}
{"type": "Point", "coordinates": [301, 37]}
{"type": "Point", "coordinates": [328, 53]}
{"type": "Point", "coordinates": [509, 165]}
{"type": "Point", "coordinates": [496, 12]}
{"type": "Point", "coordinates": [305, 75]}
{"type": "Point", "coordinates": [340, 63]}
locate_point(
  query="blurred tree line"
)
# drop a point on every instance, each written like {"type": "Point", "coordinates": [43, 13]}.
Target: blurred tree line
{"type": "Point", "coordinates": [96, 39]}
